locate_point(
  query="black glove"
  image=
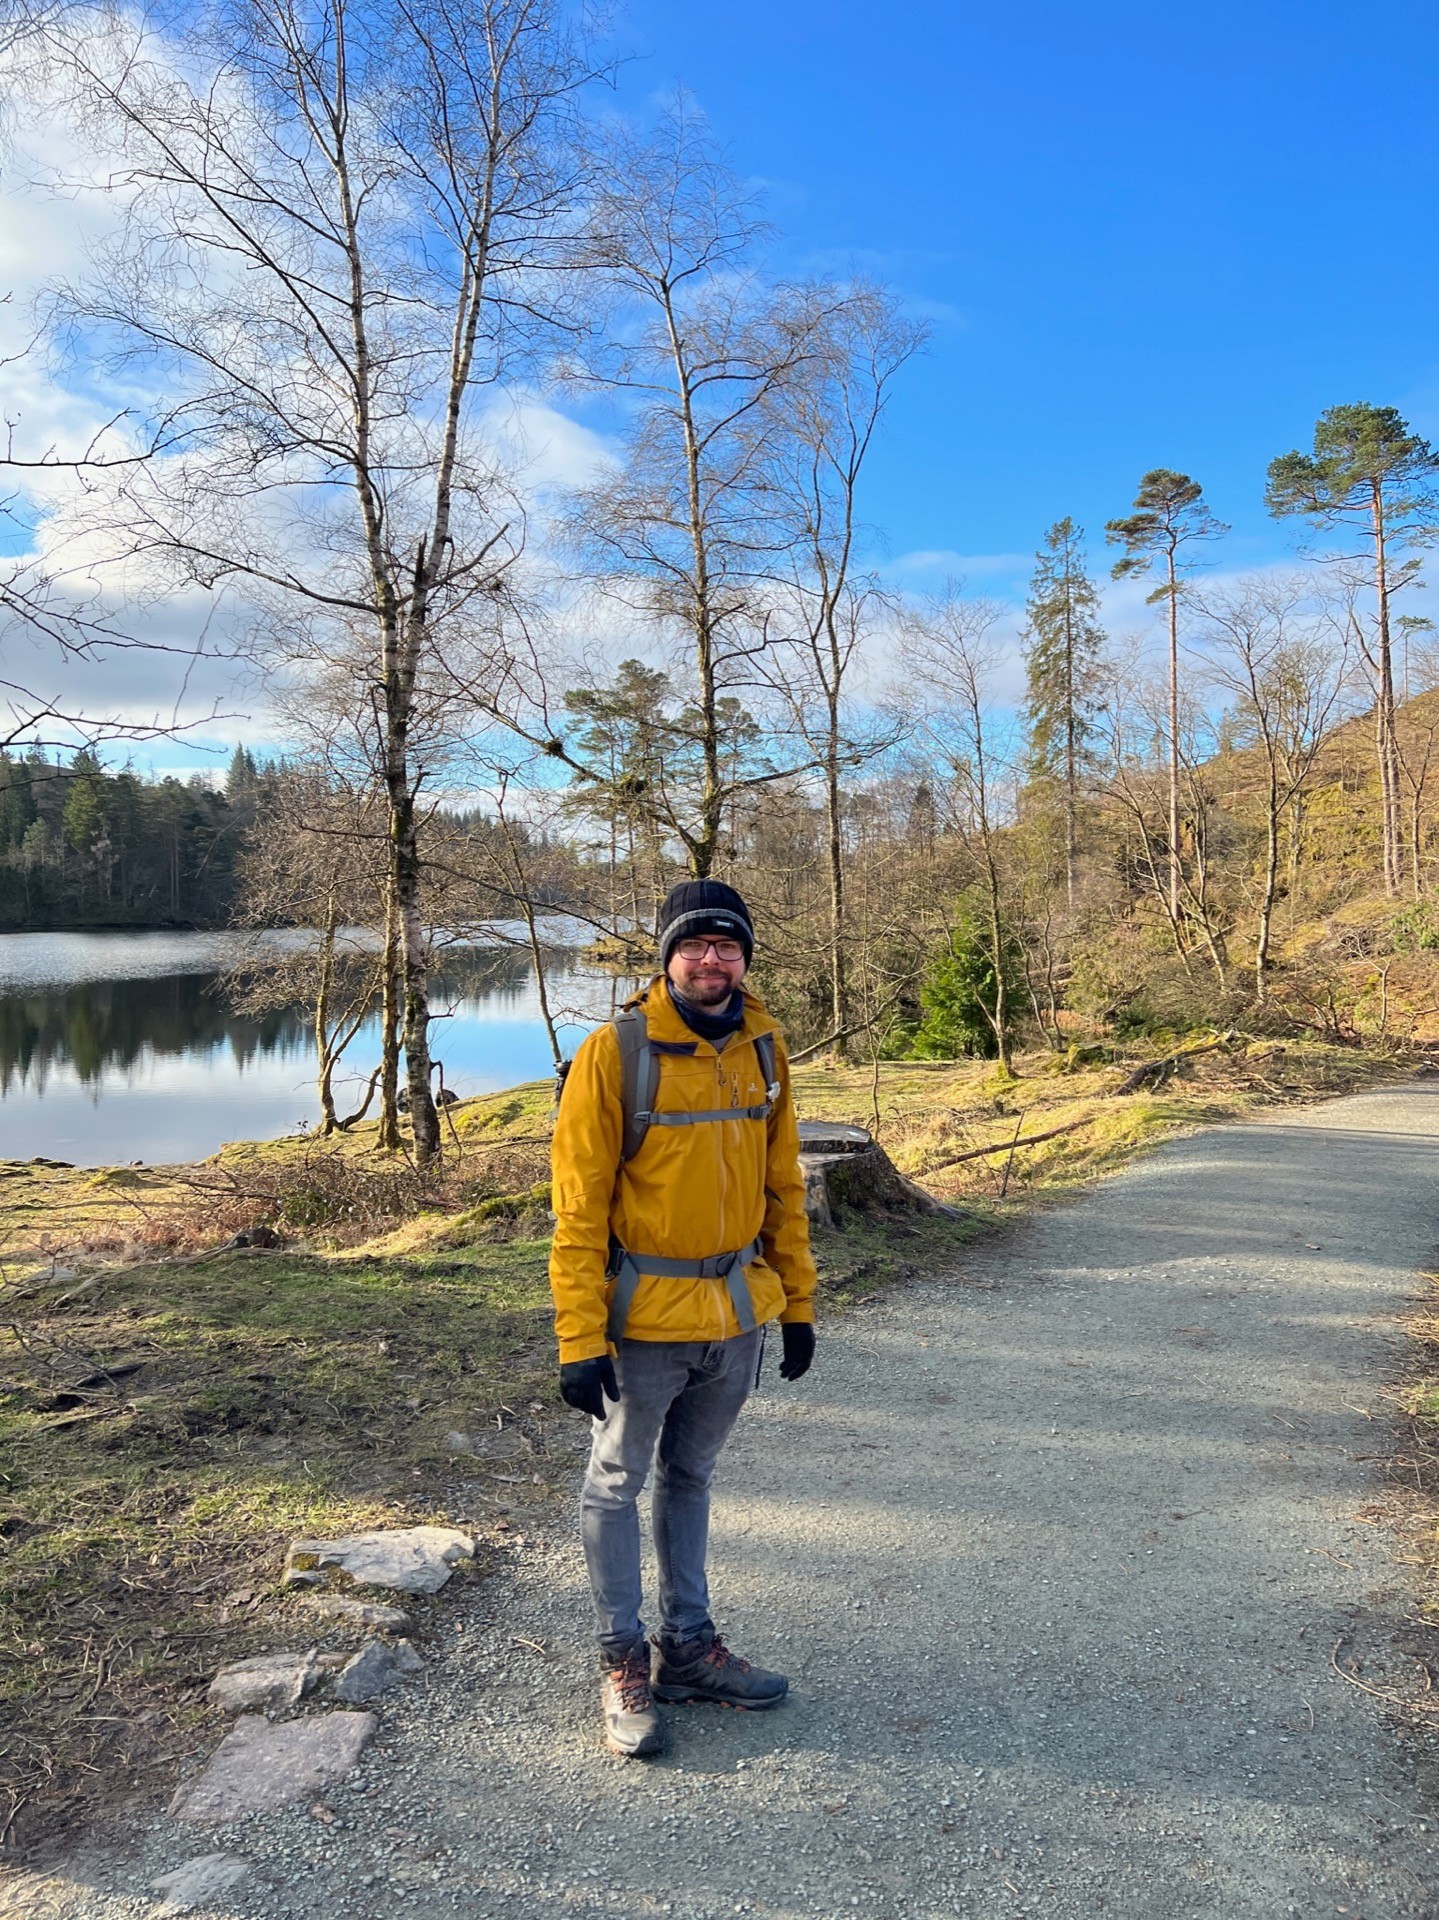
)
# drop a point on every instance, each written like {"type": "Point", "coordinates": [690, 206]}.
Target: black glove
{"type": "Point", "coordinates": [587, 1384]}
{"type": "Point", "coordinates": [798, 1337]}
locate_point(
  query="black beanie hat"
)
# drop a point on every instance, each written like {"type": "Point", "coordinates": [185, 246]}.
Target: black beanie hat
{"type": "Point", "coordinates": [697, 907]}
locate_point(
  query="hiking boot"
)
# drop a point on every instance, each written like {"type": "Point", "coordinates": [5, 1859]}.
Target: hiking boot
{"type": "Point", "coordinates": [633, 1729]}
{"type": "Point", "coordinates": [705, 1669]}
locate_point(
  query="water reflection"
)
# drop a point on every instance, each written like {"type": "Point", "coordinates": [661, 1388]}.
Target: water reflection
{"type": "Point", "coordinates": [95, 1028]}
{"type": "Point", "coordinates": [160, 1067]}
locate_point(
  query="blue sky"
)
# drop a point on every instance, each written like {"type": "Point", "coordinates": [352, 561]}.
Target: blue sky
{"type": "Point", "coordinates": [1143, 237]}
{"type": "Point", "coordinates": [1148, 236]}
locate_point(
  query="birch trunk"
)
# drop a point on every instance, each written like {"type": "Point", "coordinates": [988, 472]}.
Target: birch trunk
{"type": "Point", "coordinates": [838, 983]}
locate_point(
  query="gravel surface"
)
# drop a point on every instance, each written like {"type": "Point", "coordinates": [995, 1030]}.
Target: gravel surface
{"type": "Point", "coordinates": [1055, 1551]}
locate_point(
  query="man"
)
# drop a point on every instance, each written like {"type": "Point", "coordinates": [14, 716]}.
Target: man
{"type": "Point", "coordinates": [680, 1232]}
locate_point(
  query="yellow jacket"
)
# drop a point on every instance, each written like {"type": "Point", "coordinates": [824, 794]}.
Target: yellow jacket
{"type": "Point", "coordinates": [689, 1192]}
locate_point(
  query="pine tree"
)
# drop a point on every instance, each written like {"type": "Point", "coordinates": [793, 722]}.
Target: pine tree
{"type": "Point", "coordinates": [242, 777]}
{"type": "Point", "coordinates": [17, 802]}
{"type": "Point", "coordinates": [85, 809]}
{"type": "Point", "coordinates": [1063, 644]}
{"type": "Point", "coordinates": [1170, 511]}
{"type": "Point", "coordinates": [628, 733]}
{"type": "Point", "coordinates": [1370, 473]}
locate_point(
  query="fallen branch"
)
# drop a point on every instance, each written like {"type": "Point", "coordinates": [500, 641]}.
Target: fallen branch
{"type": "Point", "coordinates": [1389, 1699]}
{"type": "Point", "coordinates": [1010, 1147]}
{"type": "Point", "coordinates": [1158, 1069]}
{"type": "Point", "coordinates": [229, 1251]}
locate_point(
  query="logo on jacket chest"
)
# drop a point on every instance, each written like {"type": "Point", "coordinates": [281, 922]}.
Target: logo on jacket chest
{"type": "Point", "coordinates": [699, 1082]}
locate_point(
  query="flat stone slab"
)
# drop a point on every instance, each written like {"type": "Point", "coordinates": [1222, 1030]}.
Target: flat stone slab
{"type": "Point", "coordinates": [375, 1667]}
{"type": "Point", "coordinates": [266, 1683]}
{"type": "Point", "coordinates": [833, 1136]}
{"type": "Point", "coordinates": [402, 1559]}
{"type": "Point", "coordinates": [369, 1614]}
{"type": "Point", "coordinates": [264, 1764]}
{"type": "Point", "coordinates": [200, 1882]}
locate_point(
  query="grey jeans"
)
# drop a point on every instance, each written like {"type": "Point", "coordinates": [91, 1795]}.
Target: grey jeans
{"type": "Point", "coordinates": [678, 1403]}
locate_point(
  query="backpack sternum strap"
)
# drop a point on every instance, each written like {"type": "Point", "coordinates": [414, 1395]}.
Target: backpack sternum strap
{"type": "Point", "coordinates": [694, 1118]}
{"type": "Point", "coordinates": [629, 1268]}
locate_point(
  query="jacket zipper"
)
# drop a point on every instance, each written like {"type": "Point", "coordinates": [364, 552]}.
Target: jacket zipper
{"type": "Point", "coordinates": [721, 1291]}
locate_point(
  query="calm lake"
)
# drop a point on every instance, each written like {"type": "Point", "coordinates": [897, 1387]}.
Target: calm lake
{"type": "Point", "coordinates": [123, 1047]}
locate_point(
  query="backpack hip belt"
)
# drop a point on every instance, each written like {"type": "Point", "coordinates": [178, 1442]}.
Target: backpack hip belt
{"type": "Point", "coordinates": [628, 1268]}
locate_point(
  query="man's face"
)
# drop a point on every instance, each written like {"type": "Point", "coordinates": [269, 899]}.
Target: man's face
{"type": "Point", "coordinates": [702, 974]}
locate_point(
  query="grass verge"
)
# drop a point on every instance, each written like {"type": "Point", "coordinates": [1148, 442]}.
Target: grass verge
{"type": "Point", "coordinates": [929, 1116]}
{"type": "Point", "coordinates": [166, 1432]}
{"type": "Point", "coordinates": [1414, 1467]}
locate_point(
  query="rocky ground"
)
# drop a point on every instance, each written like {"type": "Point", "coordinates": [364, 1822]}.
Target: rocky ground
{"type": "Point", "coordinates": [1077, 1562]}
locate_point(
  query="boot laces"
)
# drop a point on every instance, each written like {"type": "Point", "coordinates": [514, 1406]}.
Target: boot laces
{"type": "Point", "coordinates": [720, 1657]}
{"type": "Point", "coordinates": [632, 1683]}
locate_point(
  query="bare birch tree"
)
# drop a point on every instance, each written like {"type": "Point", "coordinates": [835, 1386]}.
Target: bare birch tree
{"type": "Point", "coordinates": [703, 350]}
{"type": "Point", "coordinates": [1285, 665]}
{"type": "Point", "coordinates": [315, 861]}
{"type": "Point", "coordinates": [335, 230]}
{"type": "Point", "coordinates": [1141, 740]}
{"type": "Point", "coordinates": [827, 603]}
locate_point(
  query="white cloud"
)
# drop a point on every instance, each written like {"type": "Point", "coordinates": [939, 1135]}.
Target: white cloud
{"type": "Point", "coordinates": [945, 563]}
{"type": "Point", "coordinates": [48, 235]}
{"type": "Point", "coordinates": [547, 450]}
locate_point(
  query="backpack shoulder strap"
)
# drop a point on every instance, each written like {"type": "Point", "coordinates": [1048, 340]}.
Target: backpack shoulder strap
{"type": "Point", "coordinates": [639, 1075]}
{"type": "Point", "coordinates": [768, 1066]}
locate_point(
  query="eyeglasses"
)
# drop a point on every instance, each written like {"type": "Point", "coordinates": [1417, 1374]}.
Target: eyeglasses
{"type": "Point", "coordinates": [729, 950]}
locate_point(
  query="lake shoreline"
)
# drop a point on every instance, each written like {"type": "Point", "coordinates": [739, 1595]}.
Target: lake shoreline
{"type": "Point", "coordinates": [124, 926]}
{"type": "Point", "coordinates": [969, 1132]}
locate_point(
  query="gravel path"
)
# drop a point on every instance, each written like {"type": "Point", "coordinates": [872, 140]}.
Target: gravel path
{"type": "Point", "coordinates": [1055, 1553]}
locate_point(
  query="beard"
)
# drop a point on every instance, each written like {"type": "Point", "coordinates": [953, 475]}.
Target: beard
{"type": "Point", "coordinates": [708, 987]}
{"type": "Point", "coordinates": [708, 990]}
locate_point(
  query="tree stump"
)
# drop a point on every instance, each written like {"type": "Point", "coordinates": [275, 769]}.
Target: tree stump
{"type": "Point", "coordinates": [845, 1166]}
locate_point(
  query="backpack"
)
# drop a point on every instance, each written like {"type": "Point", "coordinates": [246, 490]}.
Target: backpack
{"type": "Point", "coordinates": [640, 1076]}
